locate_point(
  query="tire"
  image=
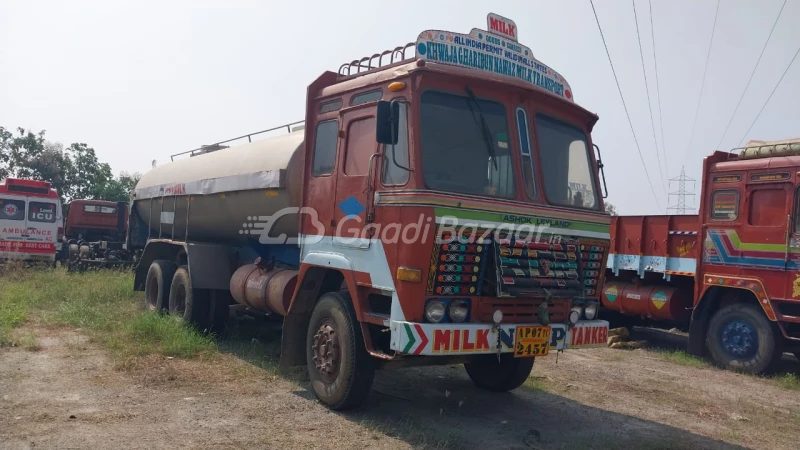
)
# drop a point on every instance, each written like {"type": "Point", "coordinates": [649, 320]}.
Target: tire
{"type": "Point", "coordinates": [346, 381]}
{"type": "Point", "coordinates": [503, 376]}
{"type": "Point", "coordinates": [219, 310]}
{"type": "Point", "coordinates": [187, 304]}
{"type": "Point", "coordinates": [157, 284]}
{"type": "Point", "coordinates": [741, 338]}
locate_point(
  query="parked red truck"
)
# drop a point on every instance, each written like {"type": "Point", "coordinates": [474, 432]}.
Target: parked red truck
{"type": "Point", "coordinates": [441, 204]}
{"type": "Point", "coordinates": [732, 271]}
{"type": "Point", "coordinates": [94, 234]}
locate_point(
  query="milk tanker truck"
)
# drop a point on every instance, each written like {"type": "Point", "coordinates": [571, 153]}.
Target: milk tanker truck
{"type": "Point", "coordinates": [415, 218]}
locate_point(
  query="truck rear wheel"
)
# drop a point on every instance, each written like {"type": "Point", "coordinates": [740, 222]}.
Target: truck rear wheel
{"type": "Point", "coordinates": [190, 305]}
{"type": "Point", "coordinates": [157, 284]}
{"type": "Point", "coordinates": [741, 338]}
{"type": "Point", "coordinates": [499, 376]}
{"type": "Point", "coordinates": [339, 366]}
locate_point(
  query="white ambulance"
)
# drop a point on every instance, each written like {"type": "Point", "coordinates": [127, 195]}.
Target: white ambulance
{"type": "Point", "coordinates": [31, 222]}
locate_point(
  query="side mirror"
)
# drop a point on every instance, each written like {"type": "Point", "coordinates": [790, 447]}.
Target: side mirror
{"type": "Point", "coordinates": [386, 127]}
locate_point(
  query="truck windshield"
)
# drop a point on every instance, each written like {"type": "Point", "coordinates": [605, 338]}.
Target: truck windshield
{"type": "Point", "coordinates": [568, 177]}
{"type": "Point", "coordinates": [456, 156]}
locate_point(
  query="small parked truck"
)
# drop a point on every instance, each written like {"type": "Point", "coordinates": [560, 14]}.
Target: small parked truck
{"type": "Point", "coordinates": [732, 272]}
{"type": "Point", "coordinates": [94, 234]}
{"type": "Point", "coordinates": [441, 204]}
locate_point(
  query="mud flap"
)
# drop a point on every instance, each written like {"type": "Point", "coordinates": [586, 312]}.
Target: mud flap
{"type": "Point", "coordinates": [293, 343]}
{"type": "Point", "coordinates": [697, 335]}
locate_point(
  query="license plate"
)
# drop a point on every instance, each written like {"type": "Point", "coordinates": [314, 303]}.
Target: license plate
{"type": "Point", "coordinates": [531, 341]}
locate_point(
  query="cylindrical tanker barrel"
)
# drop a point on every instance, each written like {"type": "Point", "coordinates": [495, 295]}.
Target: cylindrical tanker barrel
{"type": "Point", "coordinates": [225, 196]}
{"type": "Point", "coordinates": [268, 290]}
{"type": "Point", "coordinates": [647, 300]}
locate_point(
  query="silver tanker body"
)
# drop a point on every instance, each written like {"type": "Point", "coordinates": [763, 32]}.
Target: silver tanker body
{"type": "Point", "coordinates": [209, 197]}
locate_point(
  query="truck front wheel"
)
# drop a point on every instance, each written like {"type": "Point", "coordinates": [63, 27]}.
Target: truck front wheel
{"type": "Point", "coordinates": [157, 284]}
{"type": "Point", "coordinates": [504, 375]}
{"type": "Point", "coordinates": [741, 338]}
{"type": "Point", "coordinates": [339, 366]}
{"type": "Point", "coordinates": [190, 305]}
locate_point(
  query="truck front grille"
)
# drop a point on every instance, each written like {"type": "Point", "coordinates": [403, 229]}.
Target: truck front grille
{"type": "Point", "coordinates": [489, 264]}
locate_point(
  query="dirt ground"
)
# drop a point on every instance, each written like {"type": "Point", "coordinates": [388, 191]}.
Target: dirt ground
{"type": "Point", "coordinates": [70, 394]}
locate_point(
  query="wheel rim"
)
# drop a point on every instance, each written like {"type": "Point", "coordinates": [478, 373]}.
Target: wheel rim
{"type": "Point", "coordinates": [739, 339]}
{"type": "Point", "coordinates": [152, 293]}
{"type": "Point", "coordinates": [180, 301]}
{"type": "Point", "coordinates": [327, 352]}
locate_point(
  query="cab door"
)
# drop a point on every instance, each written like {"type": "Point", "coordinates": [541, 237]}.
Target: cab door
{"type": "Point", "coordinates": [12, 226]}
{"type": "Point", "coordinates": [793, 248]}
{"type": "Point", "coordinates": [358, 170]}
{"type": "Point", "coordinates": [763, 240]}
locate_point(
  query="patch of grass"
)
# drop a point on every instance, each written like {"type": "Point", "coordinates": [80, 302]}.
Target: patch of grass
{"type": "Point", "coordinates": [13, 310]}
{"type": "Point", "coordinates": [27, 341]}
{"type": "Point", "coordinates": [789, 381]}
{"type": "Point", "coordinates": [155, 333]}
{"type": "Point", "coordinates": [534, 383]}
{"type": "Point", "coordinates": [103, 305]}
{"type": "Point", "coordinates": [682, 358]}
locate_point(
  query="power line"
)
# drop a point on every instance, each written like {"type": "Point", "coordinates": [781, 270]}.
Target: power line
{"type": "Point", "coordinates": [702, 83]}
{"type": "Point", "coordinates": [658, 90]}
{"type": "Point", "coordinates": [647, 90]}
{"type": "Point", "coordinates": [655, 197]}
{"type": "Point", "coordinates": [719, 146]}
{"type": "Point", "coordinates": [770, 96]}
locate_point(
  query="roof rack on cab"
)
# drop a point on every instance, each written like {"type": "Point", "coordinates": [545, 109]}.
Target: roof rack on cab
{"type": "Point", "coordinates": [379, 61]}
{"type": "Point", "coordinates": [767, 149]}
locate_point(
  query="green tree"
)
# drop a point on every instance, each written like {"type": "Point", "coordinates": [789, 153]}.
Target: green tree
{"type": "Point", "coordinates": [6, 137]}
{"type": "Point", "coordinates": [31, 156]}
{"type": "Point", "coordinates": [119, 189]}
{"type": "Point", "coordinates": [90, 176]}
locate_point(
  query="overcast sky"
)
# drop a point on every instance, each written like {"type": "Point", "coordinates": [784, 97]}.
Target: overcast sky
{"type": "Point", "coordinates": [140, 80]}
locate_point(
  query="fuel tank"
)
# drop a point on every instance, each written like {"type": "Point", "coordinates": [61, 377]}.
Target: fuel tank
{"type": "Point", "coordinates": [651, 301]}
{"type": "Point", "coordinates": [217, 196]}
{"type": "Point", "coordinates": [264, 288]}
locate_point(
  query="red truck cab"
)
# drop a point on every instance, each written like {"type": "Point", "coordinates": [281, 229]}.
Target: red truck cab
{"type": "Point", "coordinates": [96, 220]}
{"type": "Point", "coordinates": [733, 270]}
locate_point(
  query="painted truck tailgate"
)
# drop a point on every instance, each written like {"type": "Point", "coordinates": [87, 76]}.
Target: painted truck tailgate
{"type": "Point", "coordinates": [666, 244]}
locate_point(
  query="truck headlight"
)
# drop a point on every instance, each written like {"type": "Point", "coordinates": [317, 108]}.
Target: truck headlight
{"type": "Point", "coordinates": [574, 315]}
{"type": "Point", "coordinates": [434, 311]}
{"type": "Point", "coordinates": [591, 311]}
{"type": "Point", "coordinates": [459, 310]}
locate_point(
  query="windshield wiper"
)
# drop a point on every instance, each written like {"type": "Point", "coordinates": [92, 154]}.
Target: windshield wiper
{"type": "Point", "coordinates": [481, 122]}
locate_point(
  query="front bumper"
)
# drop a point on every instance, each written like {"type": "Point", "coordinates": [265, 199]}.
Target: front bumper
{"type": "Point", "coordinates": [441, 339]}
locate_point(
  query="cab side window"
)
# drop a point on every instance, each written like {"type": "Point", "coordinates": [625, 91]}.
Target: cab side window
{"type": "Point", "coordinates": [360, 146]}
{"type": "Point", "coordinates": [724, 205]}
{"type": "Point", "coordinates": [327, 137]}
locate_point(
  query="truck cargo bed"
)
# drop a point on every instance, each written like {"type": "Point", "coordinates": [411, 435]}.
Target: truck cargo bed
{"type": "Point", "coordinates": [665, 244]}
